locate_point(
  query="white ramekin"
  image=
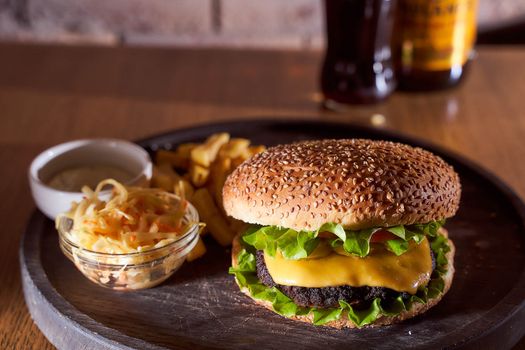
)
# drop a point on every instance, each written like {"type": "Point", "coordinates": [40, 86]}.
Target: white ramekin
{"type": "Point", "coordinates": [120, 153]}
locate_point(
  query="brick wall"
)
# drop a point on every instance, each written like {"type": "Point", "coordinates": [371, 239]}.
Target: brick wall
{"type": "Point", "coordinates": [243, 23]}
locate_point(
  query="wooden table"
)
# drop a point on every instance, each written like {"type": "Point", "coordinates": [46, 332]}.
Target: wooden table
{"type": "Point", "coordinates": [51, 94]}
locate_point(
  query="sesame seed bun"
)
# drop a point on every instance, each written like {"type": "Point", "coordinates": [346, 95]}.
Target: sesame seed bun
{"type": "Point", "coordinates": [356, 183]}
{"type": "Point", "coordinates": [344, 322]}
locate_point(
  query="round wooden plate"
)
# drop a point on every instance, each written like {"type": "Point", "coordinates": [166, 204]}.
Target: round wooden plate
{"type": "Point", "coordinates": [201, 306]}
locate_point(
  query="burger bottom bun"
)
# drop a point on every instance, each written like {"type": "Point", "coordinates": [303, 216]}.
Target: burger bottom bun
{"type": "Point", "coordinates": [416, 309]}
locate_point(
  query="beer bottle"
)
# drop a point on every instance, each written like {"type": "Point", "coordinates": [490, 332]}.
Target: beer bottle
{"type": "Point", "coordinates": [434, 42]}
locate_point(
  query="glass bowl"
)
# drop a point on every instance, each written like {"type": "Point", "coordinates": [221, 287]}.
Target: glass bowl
{"type": "Point", "coordinates": [136, 270]}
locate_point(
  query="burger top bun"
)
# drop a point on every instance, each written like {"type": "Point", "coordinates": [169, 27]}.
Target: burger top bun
{"type": "Point", "coordinates": [356, 183]}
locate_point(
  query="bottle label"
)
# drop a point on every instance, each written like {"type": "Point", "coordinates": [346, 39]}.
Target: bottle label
{"type": "Point", "coordinates": [436, 34]}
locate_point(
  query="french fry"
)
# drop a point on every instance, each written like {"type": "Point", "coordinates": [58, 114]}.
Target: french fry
{"type": "Point", "coordinates": [161, 180]}
{"type": "Point", "coordinates": [253, 150]}
{"type": "Point", "coordinates": [167, 169]}
{"type": "Point", "coordinates": [198, 175]}
{"type": "Point", "coordinates": [249, 152]}
{"type": "Point", "coordinates": [179, 158]}
{"type": "Point", "coordinates": [236, 225]}
{"type": "Point", "coordinates": [205, 153]}
{"type": "Point", "coordinates": [184, 154]}
{"type": "Point", "coordinates": [170, 157]}
{"type": "Point", "coordinates": [204, 167]}
{"type": "Point", "coordinates": [234, 148]}
{"type": "Point", "coordinates": [210, 214]}
{"type": "Point", "coordinates": [219, 170]}
{"type": "Point", "coordinates": [197, 251]}
{"type": "Point", "coordinates": [237, 161]}
{"type": "Point", "coordinates": [179, 185]}
{"type": "Point", "coordinates": [183, 188]}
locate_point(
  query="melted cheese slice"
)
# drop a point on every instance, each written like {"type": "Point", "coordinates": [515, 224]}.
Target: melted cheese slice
{"type": "Point", "coordinates": [381, 268]}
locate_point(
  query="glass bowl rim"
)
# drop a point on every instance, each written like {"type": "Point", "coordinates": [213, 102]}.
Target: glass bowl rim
{"type": "Point", "coordinates": [192, 229]}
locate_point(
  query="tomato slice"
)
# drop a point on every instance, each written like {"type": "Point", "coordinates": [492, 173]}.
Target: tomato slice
{"type": "Point", "coordinates": [381, 236]}
{"type": "Point", "coordinates": [326, 234]}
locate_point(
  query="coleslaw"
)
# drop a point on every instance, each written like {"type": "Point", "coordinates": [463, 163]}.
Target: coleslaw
{"type": "Point", "coordinates": [134, 219]}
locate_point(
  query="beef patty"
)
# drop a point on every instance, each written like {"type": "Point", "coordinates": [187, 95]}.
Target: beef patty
{"type": "Point", "coordinates": [326, 297]}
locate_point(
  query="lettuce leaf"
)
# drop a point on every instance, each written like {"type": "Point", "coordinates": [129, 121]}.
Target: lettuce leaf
{"type": "Point", "coordinates": [246, 277]}
{"type": "Point", "coordinates": [295, 245]}
{"type": "Point", "coordinates": [358, 242]}
{"type": "Point", "coordinates": [322, 316]}
{"type": "Point", "coordinates": [397, 246]}
{"type": "Point", "coordinates": [291, 244]}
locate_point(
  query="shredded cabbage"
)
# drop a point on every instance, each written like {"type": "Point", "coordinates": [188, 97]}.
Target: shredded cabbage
{"type": "Point", "coordinates": [134, 219]}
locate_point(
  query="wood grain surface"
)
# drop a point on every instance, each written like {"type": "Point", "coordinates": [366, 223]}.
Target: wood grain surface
{"type": "Point", "coordinates": [53, 94]}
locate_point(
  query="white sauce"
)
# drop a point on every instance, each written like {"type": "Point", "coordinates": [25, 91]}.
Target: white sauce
{"type": "Point", "coordinates": [73, 179]}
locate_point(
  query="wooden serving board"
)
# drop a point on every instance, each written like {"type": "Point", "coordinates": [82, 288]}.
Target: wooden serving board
{"type": "Point", "coordinates": [201, 306]}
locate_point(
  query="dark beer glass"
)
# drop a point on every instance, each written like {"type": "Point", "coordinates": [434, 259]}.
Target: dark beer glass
{"type": "Point", "coordinates": [358, 66]}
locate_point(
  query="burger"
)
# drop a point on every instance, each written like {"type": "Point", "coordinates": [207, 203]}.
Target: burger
{"type": "Point", "coordinates": [343, 233]}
